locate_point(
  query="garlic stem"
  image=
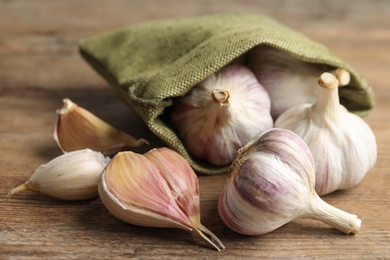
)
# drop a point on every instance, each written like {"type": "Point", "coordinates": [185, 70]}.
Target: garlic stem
{"type": "Point", "coordinates": [220, 96]}
{"type": "Point", "coordinates": [327, 80]}
{"type": "Point", "coordinates": [343, 221]}
{"type": "Point", "coordinates": [328, 102]}
{"type": "Point", "coordinates": [342, 76]}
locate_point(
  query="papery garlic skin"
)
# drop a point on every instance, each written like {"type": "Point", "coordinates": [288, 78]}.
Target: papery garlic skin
{"type": "Point", "coordinates": [212, 127]}
{"type": "Point", "coordinates": [180, 178]}
{"type": "Point", "coordinates": [343, 145]}
{"type": "Point", "coordinates": [71, 176]}
{"type": "Point", "coordinates": [134, 183]}
{"type": "Point", "coordinates": [288, 81]}
{"type": "Point", "coordinates": [271, 183]}
{"type": "Point", "coordinates": [76, 128]}
{"type": "Point", "coordinates": [184, 187]}
{"type": "Point", "coordinates": [158, 189]}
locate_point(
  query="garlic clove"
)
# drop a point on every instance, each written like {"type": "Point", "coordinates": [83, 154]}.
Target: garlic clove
{"type": "Point", "coordinates": [343, 145]}
{"type": "Point", "coordinates": [184, 186]}
{"type": "Point", "coordinates": [181, 179]}
{"type": "Point", "coordinates": [271, 183]}
{"type": "Point", "coordinates": [133, 189]}
{"type": "Point", "coordinates": [134, 184]}
{"type": "Point", "coordinates": [77, 128]}
{"type": "Point", "coordinates": [70, 176]}
{"type": "Point", "coordinates": [214, 128]}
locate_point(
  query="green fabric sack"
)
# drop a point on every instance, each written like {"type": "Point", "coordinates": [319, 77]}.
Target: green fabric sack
{"type": "Point", "coordinates": [150, 64]}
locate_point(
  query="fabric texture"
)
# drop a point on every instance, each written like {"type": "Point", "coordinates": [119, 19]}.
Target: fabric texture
{"type": "Point", "coordinates": [150, 64]}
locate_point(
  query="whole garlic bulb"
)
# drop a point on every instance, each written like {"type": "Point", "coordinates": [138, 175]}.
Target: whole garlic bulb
{"type": "Point", "coordinates": [221, 114]}
{"type": "Point", "coordinates": [271, 182]}
{"type": "Point", "coordinates": [288, 81]}
{"type": "Point", "coordinates": [343, 145]}
{"type": "Point", "coordinates": [70, 176]}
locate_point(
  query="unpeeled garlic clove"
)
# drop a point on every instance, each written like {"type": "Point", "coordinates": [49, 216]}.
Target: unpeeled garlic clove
{"type": "Point", "coordinates": [181, 179]}
{"type": "Point", "coordinates": [343, 145]}
{"type": "Point", "coordinates": [271, 183]}
{"type": "Point", "coordinates": [154, 190]}
{"type": "Point", "coordinates": [184, 187]}
{"type": "Point", "coordinates": [77, 128]}
{"type": "Point", "coordinates": [70, 176]}
{"type": "Point", "coordinates": [214, 128]}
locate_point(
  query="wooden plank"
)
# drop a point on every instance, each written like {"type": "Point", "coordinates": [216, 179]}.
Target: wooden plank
{"type": "Point", "coordinates": [40, 65]}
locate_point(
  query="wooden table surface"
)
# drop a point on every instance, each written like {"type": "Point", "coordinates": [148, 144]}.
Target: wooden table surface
{"type": "Point", "coordinates": [40, 65]}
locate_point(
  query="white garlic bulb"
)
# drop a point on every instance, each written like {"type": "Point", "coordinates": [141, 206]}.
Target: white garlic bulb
{"type": "Point", "coordinates": [343, 145]}
{"type": "Point", "coordinates": [288, 81]}
{"type": "Point", "coordinates": [221, 114]}
{"type": "Point", "coordinates": [70, 176]}
{"type": "Point", "coordinates": [271, 182]}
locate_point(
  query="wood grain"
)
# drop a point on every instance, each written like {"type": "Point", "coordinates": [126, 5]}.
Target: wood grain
{"type": "Point", "coordinates": [40, 65]}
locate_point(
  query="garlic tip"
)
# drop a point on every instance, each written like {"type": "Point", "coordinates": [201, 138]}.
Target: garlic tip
{"type": "Point", "coordinates": [18, 189]}
{"type": "Point", "coordinates": [220, 96]}
{"type": "Point", "coordinates": [342, 76]}
{"type": "Point", "coordinates": [67, 105]}
{"type": "Point", "coordinates": [328, 80]}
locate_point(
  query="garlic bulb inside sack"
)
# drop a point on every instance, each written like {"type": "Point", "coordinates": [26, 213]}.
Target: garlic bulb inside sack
{"type": "Point", "coordinates": [343, 145]}
{"type": "Point", "coordinates": [158, 189]}
{"type": "Point", "coordinates": [70, 176]}
{"type": "Point", "coordinates": [221, 114]}
{"type": "Point", "coordinates": [288, 81]}
{"type": "Point", "coordinates": [271, 182]}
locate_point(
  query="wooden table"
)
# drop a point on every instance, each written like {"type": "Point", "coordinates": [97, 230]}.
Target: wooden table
{"type": "Point", "coordinates": [40, 65]}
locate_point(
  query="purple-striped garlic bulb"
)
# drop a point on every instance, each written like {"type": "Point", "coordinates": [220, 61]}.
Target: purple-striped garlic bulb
{"type": "Point", "coordinates": [288, 80]}
{"type": "Point", "coordinates": [221, 114]}
{"type": "Point", "coordinates": [271, 182]}
{"type": "Point", "coordinates": [343, 144]}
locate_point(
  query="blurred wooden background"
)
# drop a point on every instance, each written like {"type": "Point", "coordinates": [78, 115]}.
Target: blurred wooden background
{"type": "Point", "coordinates": [40, 65]}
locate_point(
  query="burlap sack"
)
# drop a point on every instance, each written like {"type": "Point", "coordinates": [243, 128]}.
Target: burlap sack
{"type": "Point", "coordinates": [152, 63]}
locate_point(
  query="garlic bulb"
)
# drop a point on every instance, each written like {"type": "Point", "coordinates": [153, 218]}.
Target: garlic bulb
{"type": "Point", "coordinates": [77, 128]}
{"type": "Point", "coordinates": [214, 128]}
{"type": "Point", "coordinates": [158, 189]}
{"type": "Point", "coordinates": [271, 182]}
{"type": "Point", "coordinates": [70, 176]}
{"type": "Point", "coordinates": [288, 81]}
{"type": "Point", "coordinates": [342, 144]}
